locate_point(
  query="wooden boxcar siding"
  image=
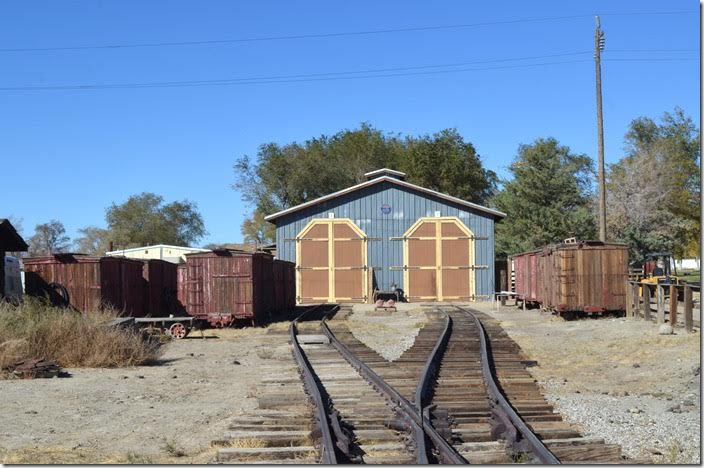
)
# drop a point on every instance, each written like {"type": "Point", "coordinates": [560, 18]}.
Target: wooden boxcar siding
{"type": "Point", "coordinates": [364, 208]}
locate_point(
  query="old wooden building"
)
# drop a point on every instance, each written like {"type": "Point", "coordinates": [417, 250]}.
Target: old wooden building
{"type": "Point", "coordinates": [387, 234]}
{"type": "Point", "coordinates": [10, 241]}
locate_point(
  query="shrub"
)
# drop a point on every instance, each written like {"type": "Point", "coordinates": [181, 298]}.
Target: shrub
{"type": "Point", "coordinates": [37, 330]}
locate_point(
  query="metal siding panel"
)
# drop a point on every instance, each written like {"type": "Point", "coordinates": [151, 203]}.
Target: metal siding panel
{"type": "Point", "coordinates": [364, 208]}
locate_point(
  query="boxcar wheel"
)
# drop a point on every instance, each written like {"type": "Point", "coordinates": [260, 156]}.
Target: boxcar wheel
{"type": "Point", "coordinates": [178, 331]}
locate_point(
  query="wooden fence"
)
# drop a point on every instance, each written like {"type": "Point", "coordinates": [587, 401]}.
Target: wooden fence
{"type": "Point", "coordinates": [667, 304]}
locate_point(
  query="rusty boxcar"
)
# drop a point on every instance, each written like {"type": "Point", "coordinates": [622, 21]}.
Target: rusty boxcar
{"type": "Point", "coordinates": [226, 285]}
{"type": "Point", "coordinates": [89, 282]}
{"type": "Point", "coordinates": [588, 276]}
{"type": "Point", "coordinates": [526, 276]}
{"type": "Point", "coordinates": [578, 276]}
{"type": "Point", "coordinates": [160, 287]}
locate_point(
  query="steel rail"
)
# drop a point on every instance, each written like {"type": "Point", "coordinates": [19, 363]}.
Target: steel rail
{"type": "Point", "coordinates": [501, 404]}
{"type": "Point", "coordinates": [425, 384]}
{"type": "Point", "coordinates": [445, 450]}
{"type": "Point", "coordinates": [329, 457]}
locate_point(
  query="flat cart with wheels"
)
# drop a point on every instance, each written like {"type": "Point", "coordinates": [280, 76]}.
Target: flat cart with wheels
{"type": "Point", "coordinates": [176, 327]}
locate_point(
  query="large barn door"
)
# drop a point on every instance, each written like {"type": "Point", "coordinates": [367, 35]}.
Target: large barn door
{"type": "Point", "coordinates": [439, 261]}
{"type": "Point", "coordinates": [331, 262]}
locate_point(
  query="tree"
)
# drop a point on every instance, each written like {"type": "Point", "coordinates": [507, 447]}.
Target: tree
{"type": "Point", "coordinates": [653, 192]}
{"type": "Point", "coordinates": [49, 238]}
{"type": "Point", "coordinates": [94, 241]}
{"type": "Point", "coordinates": [547, 200]}
{"type": "Point", "coordinates": [144, 219]}
{"type": "Point", "coordinates": [257, 230]}
{"type": "Point", "coordinates": [446, 163]}
{"type": "Point", "coordinates": [284, 176]}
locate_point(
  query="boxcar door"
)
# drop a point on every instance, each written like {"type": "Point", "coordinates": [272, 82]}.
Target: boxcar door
{"type": "Point", "coordinates": [439, 260]}
{"type": "Point", "coordinates": [331, 258]}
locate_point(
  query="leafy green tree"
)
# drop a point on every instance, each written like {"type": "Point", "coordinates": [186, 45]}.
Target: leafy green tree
{"type": "Point", "coordinates": [547, 200]}
{"type": "Point", "coordinates": [653, 194]}
{"type": "Point", "coordinates": [93, 241]}
{"type": "Point", "coordinates": [145, 219]}
{"type": "Point", "coordinates": [49, 238]}
{"type": "Point", "coordinates": [444, 162]}
{"type": "Point", "coordinates": [285, 176]}
{"type": "Point", "coordinates": [255, 229]}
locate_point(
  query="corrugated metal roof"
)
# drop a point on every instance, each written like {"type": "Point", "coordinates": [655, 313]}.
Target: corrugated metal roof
{"type": "Point", "coordinates": [384, 171]}
{"type": "Point", "coordinates": [403, 183]}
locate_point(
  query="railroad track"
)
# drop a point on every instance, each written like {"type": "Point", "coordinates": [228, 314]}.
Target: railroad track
{"type": "Point", "coordinates": [460, 394]}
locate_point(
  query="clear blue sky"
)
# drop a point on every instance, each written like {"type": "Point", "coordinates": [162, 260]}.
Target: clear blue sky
{"type": "Point", "coordinates": [68, 154]}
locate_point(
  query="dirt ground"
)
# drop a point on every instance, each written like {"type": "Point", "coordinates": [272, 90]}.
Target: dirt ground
{"type": "Point", "coordinates": [617, 378]}
{"type": "Point", "coordinates": [165, 413]}
{"type": "Point", "coordinates": [374, 328]}
{"type": "Point", "coordinates": [614, 378]}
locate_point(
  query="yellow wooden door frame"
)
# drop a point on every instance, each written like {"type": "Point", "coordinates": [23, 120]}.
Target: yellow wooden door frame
{"type": "Point", "coordinates": [330, 222]}
{"type": "Point", "coordinates": [438, 238]}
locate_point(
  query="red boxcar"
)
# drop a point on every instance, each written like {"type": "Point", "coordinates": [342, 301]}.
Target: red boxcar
{"type": "Point", "coordinates": [91, 282]}
{"type": "Point", "coordinates": [583, 276]}
{"type": "Point", "coordinates": [224, 285]}
{"type": "Point", "coordinates": [160, 288]}
{"type": "Point", "coordinates": [526, 276]}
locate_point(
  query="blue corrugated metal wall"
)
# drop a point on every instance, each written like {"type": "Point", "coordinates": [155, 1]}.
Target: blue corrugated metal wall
{"type": "Point", "coordinates": [364, 208]}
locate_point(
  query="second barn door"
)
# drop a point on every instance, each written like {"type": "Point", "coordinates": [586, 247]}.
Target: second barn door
{"type": "Point", "coordinates": [331, 262]}
{"type": "Point", "coordinates": [439, 260]}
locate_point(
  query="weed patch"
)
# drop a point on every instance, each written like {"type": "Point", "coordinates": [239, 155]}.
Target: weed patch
{"type": "Point", "coordinates": [37, 330]}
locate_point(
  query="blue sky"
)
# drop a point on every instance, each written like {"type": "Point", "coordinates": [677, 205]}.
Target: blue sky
{"type": "Point", "coordinates": [68, 154]}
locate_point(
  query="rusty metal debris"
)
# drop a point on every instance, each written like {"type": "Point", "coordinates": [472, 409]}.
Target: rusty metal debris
{"type": "Point", "coordinates": [34, 369]}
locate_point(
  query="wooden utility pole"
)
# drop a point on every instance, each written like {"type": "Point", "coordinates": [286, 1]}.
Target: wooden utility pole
{"type": "Point", "coordinates": [598, 47]}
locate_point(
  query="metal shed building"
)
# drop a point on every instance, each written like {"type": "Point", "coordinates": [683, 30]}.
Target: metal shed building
{"type": "Point", "coordinates": [386, 233]}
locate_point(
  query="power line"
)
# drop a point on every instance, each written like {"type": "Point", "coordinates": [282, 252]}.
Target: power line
{"type": "Point", "coordinates": [341, 75]}
{"type": "Point", "coordinates": [246, 81]}
{"type": "Point", "coordinates": [651, 59]}
{"type": "Point", "coordinates": [653, 50]}
{"type": "Point", "coordinates": [331, 35]}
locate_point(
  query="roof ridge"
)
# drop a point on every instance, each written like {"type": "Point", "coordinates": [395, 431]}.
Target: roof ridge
{"type": "Point", "coordinates": [392, 180]}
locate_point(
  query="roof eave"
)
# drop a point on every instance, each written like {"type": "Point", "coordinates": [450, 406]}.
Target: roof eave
{"type": "Point", "coordinates": [273, 216]}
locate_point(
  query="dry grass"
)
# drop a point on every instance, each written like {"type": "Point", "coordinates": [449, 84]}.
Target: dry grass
{"type": "Point", "coordinates": [35, 330]}
{"type": "Point", "coordinates": [249, 442]}
{"type": "Point", "coordinates": [173, 449]}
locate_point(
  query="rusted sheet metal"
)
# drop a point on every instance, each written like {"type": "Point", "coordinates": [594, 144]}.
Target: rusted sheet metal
{"type": "Point", "coordinates": [181, 287]}
{"type": "Point", "coordinates": [586, 276]}
{"type": "Point", "coordinates": [91, 282]}
{"type": "Point", "coordinates": [34, 368]}
{"type": "Point", "coordinates": [160, 287]}
{"type": "Point", "coordinates": [230, 283]}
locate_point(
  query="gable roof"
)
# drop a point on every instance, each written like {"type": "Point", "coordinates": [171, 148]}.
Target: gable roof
{"type": "Point", "coordinates": [402, 183]}
{"type": "Point", "coordinates": [10, 240]}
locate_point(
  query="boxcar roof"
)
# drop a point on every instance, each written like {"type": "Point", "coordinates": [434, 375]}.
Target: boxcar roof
{"type": "Point", "coordinates": [403, 183]}
{"type": "Point", "coordinates": [70, 257]}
